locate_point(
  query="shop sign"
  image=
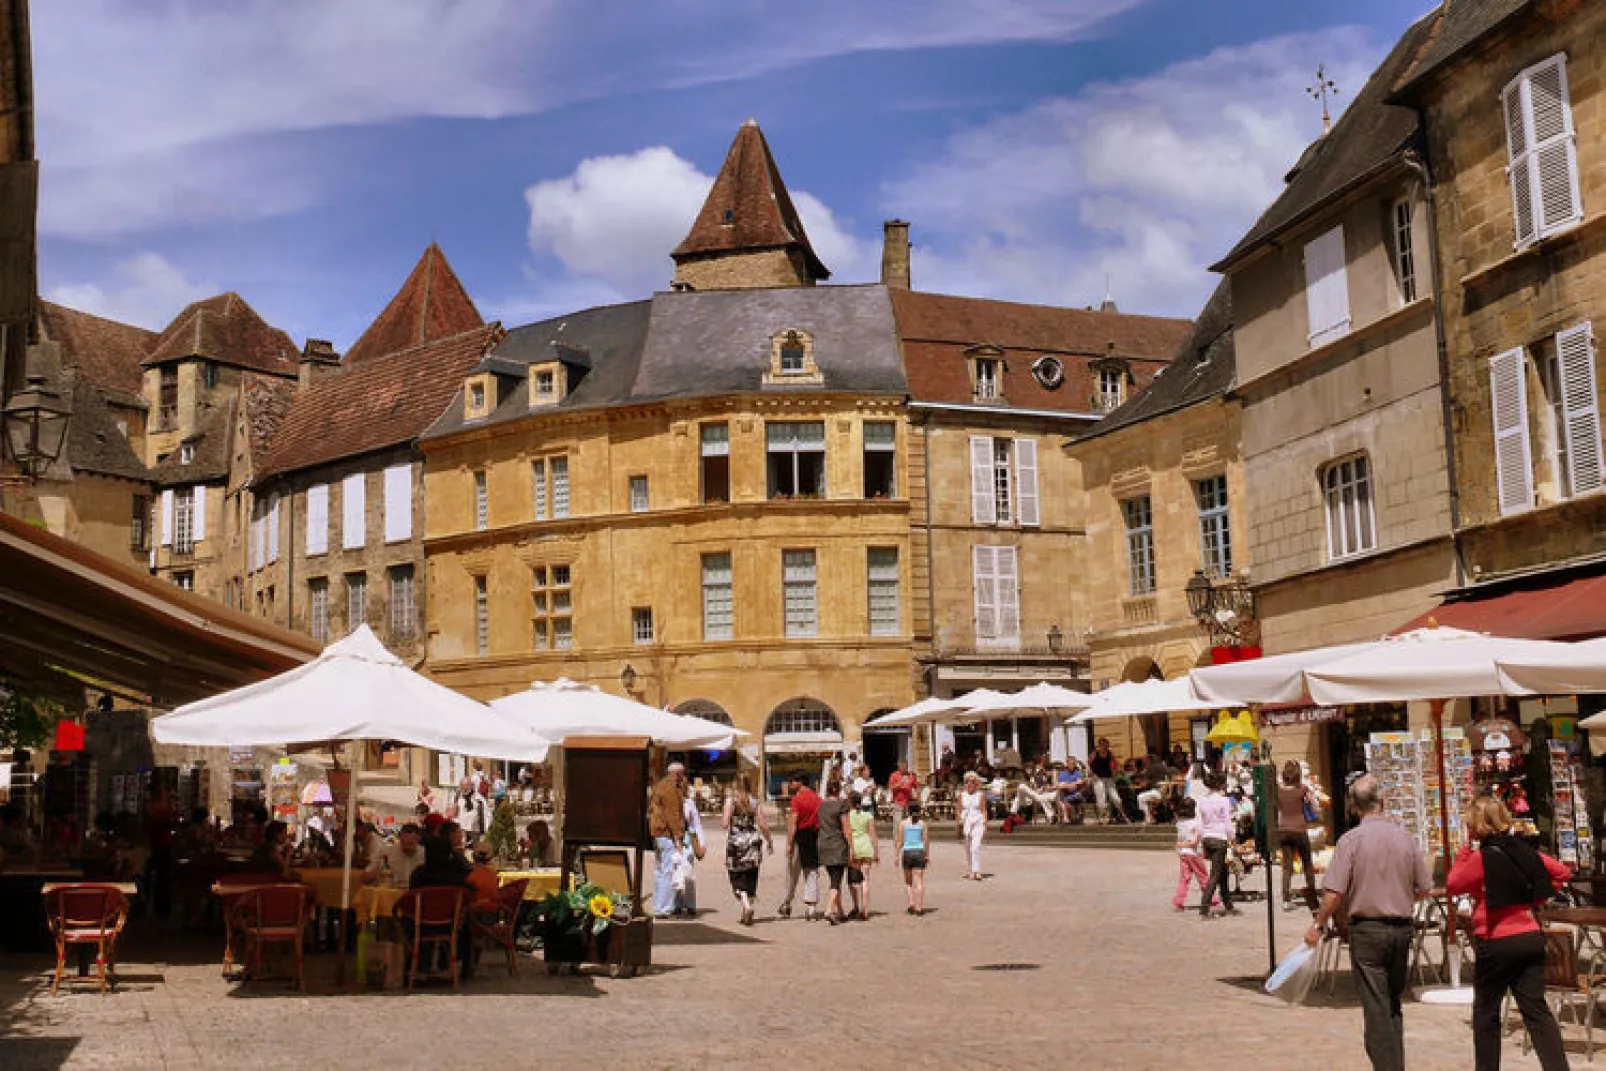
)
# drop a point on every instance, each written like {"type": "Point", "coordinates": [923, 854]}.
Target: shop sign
{"type": "Point", "coordinates": [1301, 716]}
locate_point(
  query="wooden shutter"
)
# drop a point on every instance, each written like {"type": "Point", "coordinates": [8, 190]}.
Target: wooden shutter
{"type": "Point", "coordinates": [198, 514]}
{"type": "Point", "coordinates": [353, 530]}
{"type": "Point", "coordinates": [1008, 595]}
{"type": "Point", "coordinates": [983, 510]}
{"type": "Point", "coordinates": [1326, 287]}
{"type": "Point", "coordinates": [1580, 408]}
{"type": "Point", "coordinates": [398, 503]}
{"type": "Point", "coordinates": [273, 529]}
{"type": "Point", "coordinates": [985, 579]}
{"type": "Point", "coordinates": [1026, 481]}
{"type": "Point", "coordinates": [1508, 406]}
{"type": "Point", "coordinates": [1552, 145]}
{"type": "Point", "coordinates": [1517, 163]}
{"type": "Point", "coordinates": [318, 519]}
{"type": "Point", "coordinates": [167, 517]}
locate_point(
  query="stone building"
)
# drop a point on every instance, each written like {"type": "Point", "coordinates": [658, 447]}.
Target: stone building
{"type": "Point", "coordinates": [1164, 492]}
{"type": "Point", "coordinates": [1513, 95]}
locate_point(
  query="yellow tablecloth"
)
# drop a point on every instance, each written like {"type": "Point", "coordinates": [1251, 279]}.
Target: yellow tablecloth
{"type": "Point", "coordinates": [543, 882]}
{"type": "Point", "coordinates": [325, 884]}
{"type": "Point", "coordinates": [376, 902]}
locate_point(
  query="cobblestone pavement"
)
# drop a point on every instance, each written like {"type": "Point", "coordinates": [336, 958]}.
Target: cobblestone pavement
{"type": "Point", "coordinates": [1115, 979]}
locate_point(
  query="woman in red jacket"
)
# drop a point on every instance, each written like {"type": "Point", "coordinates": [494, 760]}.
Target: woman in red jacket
{"type": "Point", "coordinates": [1506, 879]}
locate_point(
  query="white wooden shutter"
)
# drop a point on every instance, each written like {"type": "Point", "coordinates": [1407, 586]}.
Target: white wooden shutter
{"type": "Point", "coordinates": [985, 578]}
{"type": "Point", "coordinates": [318, 519]}
{"type": "Point", "coordinates": [1508, 406]}
{"type": "Point", "coordinates": [1326, 287]}
{"type": "Point", "coordinates": [983, 508]}
{"type": "Point", "coordinates": [352, 512]}
{"type": "Point", "coordinates": [273, 529]}
{"type": "Point", "coordinates": [1008, 595]}
{"type": "Point", "coordinates": [167, 517]}
{"type": "Point", "coordinates": [198, 514]}
{"type": "Point", "coordinates": [1518, 166]}
{"type": "Point", "coordinates": [1580, 408]}
{"type": "Point", "coordinates": [1026, 481]}
{"type": "Point", "coordinates": [398, 503]}
{"type": "Point", "coordinates": [1542, 152]}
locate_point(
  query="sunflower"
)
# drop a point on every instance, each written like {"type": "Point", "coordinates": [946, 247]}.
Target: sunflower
{"type": "Point", "coordinates": [601, 906]}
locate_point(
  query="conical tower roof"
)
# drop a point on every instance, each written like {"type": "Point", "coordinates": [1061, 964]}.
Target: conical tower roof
{"type": "Point", "coordinates": [430, 305]}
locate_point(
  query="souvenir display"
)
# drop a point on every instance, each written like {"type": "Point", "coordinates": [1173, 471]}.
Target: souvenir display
{"type": "Point", "coordinates": [1408, 772]}
{"type": "Point", "coordinates": [1574, 842]}
{"type": "Point", "coordinates": [1499, 745]}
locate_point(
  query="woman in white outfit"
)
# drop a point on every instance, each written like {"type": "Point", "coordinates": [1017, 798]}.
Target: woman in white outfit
{"type": "Point", "coordinates": [973, 822]}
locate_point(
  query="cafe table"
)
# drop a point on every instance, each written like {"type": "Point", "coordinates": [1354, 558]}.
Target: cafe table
{"type": "Point", "coordinates": [543, 881]}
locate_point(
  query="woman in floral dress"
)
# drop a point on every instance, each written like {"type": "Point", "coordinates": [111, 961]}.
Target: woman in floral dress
{"type": "Point", "coordinates": [747, 839]}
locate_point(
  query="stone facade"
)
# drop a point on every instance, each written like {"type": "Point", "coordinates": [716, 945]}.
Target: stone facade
{"type": "Point", "coordinates": [96, 511]}
{"type": "Point", "coordinates": [744, 271]}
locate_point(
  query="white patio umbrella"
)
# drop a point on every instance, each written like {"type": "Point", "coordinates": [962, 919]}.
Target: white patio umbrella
{"type": "Point", "coordinates": [1039, 698]}
{"type": "Point", "coordinates": [1580, 667]}
{"type": "Point", "coordinates": [1135, 698]}
{"type": "Point", "coordinates": [562, 708]}
{"type": "Point", "coordinates": [934, 711]}
{"type": "Point", "coordinates": [1273, 679]}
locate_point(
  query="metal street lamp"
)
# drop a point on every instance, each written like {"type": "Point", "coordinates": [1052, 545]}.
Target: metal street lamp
{"type": "Point", "coordinates": [36, 425]}
{"type": "Point", "coordinates": [1201, 595]}
{"type": "Point", "coordinates": [1056, 639]}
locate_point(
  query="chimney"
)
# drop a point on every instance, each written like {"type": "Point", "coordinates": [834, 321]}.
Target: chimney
{"type": "Point", "coordinates": [895, 254]}
{"type": "Point", "coordinates": [318, 358]}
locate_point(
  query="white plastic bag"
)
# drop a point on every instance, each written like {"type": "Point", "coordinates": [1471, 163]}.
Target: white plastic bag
{"type": "Point", "coordinates": [680, 872]}
{"type": "Point", "coordinates": [1294, 976]}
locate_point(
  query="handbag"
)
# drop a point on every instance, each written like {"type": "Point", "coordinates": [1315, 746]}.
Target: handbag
{"type": "Point", "coordinates": [1312, 813]}
{"type": "Point", "coordinates": [697, 845]}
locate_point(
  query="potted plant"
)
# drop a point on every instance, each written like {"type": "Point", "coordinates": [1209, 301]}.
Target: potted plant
{"type": "Point", "coordinates": [577, 925]}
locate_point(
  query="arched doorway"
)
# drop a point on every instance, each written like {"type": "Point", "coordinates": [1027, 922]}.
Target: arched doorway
{"type": "Point", "coordinates": [884, 746]}
{"type": "Point", "coordinates": [1148, 732]}
{"type": "Point", "coordinates": [799, 735]}
{"type": "Point", "coordinates": [722, 766]}
{"type": "Point", "coordinates": [706, 709]}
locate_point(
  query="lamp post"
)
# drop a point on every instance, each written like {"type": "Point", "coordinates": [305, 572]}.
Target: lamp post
{"type": "Point", "coordinates": [36, 425]}
{"type": "Point", "coordinates": [1225, 608]}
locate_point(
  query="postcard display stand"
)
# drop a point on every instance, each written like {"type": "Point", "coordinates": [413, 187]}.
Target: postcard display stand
{"type": "Point", "coordinates": [1408, 771]}
{"type": "Point", "coordinates": [1574, 844]}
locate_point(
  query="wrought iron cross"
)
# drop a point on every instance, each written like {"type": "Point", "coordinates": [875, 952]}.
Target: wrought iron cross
{"type": "Point", "coordinates": [1323, 88]}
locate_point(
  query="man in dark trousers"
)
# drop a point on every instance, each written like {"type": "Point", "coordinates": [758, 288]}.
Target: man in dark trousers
{"type": "Point", "coordinates": [802, 848]}
{"type": "Point", "coordinates": [1377, 875]}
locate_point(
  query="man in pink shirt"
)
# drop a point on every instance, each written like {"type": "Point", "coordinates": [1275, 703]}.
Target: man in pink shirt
{"type": "Point", "coordinates": [1215, 833]}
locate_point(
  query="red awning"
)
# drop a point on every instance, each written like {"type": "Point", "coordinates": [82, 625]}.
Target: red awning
{"type": "Point", "coordinates": [1560, 610]}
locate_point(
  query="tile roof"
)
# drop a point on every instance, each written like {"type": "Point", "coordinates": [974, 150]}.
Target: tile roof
{"type": "Point", "coordinates": [211, 441]}
{"type": "Point", "coordinates": [937, 329]}
{"type": "Point", "coordinates": [748, 207]}
{"type": "Point", "coordinates": [1367, 139]}
{"type": "Point", "coordinates": [1460, 25]}
{"type": "Point", "coordinates": [106, 352]}
{"type": "Point", "coordinates": [94, 441]}
{"type": "Point", "coordinates": [380, 402]}
{"type": "Point", "coordinates": [430, 305]}
{"type": "Point", "coordinates": [227, 330]}
{"type": "Point", "coordinates": [1204, 367]}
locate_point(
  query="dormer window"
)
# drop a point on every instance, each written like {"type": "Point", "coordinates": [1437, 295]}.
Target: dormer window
{"type": "Point", "coordinates": [476, 396]}
{"type": "Point", "coordinates": [1112, 386]}
{"type": "Point", "coordinates": [186, 453]}
{"type": "Point", "coordinates": [479, 396]}
{"type": "Point", "coordinates": [1111, 376]}
{"type": "Point", "coordinates": [986, 373]}
{"type": "Point", "coordinates": [792, 360]}
{"type": "Point", "coordinates": [792, 354]}
{"type": "Point", "coordinates": [546, 384]}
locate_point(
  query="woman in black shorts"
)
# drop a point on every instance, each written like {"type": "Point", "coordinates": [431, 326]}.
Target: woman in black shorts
{"type": "Point", "coordinates": [912, 848]}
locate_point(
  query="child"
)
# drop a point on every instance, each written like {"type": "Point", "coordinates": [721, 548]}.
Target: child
{"type": "Point", "coordinates": [483, 880]}
{"type": "Point", "coordinates": [912, 847]}
{"type": "Point", "coordinates": [1190, 864]}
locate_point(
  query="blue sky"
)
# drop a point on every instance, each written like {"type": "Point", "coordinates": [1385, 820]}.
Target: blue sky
{"type": "Point", "coordinates": [304, 152]}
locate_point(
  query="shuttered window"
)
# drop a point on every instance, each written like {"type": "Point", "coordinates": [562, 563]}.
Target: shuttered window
{"type": "Point", "coordinates": [353, 506]}
{"type": "Point", "coordinates": [273, 529]}
{"type": "Point", "coordinates": [167, 518]}
{"type": "Point", "coordinates": [198, 523]}
{"type": "Point", "coordinates": [398, 503]}
{"type": "Point", "coordinates": [1326, 288]}
{"type": "Point", "coordinates": [1541, 152]}
{"type": "Point", "coordinates": [1513, 454]}
{"type": "Point", "coordinates": [318, 609]}
{"type": "Point", "coordinates": [1026, 481]}
{"type": "Point", "coordinates": [1003, 481]}
{"type": "Point", "coordinates": [997, 589]}
{"type": "Point", "coordinates": [1579, 410]}
{"type": "Point", "coordinates": [318, 519]}
{"type": "Point", "coordinates": [983, 507]}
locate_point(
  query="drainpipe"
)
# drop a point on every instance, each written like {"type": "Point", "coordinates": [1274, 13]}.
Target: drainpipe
{"type": "Point", "coordinates": [1418, 166]}
{"type": "Point", "coordinates": [931, 558]}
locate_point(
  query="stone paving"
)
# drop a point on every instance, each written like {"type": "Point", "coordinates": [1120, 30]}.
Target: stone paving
{"type": "Point", "coordinates": [1108, 976]}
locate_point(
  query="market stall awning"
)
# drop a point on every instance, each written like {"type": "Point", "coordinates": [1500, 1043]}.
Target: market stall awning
{"type": "Point", "coordinates": [1549, 608]}
{"type": "Point", "coordinates": [71, 617]}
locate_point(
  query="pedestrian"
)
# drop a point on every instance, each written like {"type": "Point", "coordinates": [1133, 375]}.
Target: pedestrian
{"type": "Point", "coordinates": [902, 786]}
{"type": "Point", "coordinates": [1293, 832]}
{"type": "Point", "coordinates": [1376, 876]}
{"type": "Point", "coordinates": [1105, 792]}
{"type": "Point", "coordinates": [666, 821]}
{"type": "Point", "coordinates": [912, 856]}
{"type": "Point", "coordinates": [865, 851]}
{"type": "Point", "coordinates": [972, 822]}
{"type": "Point", "coordinates": [747, 839]}
{"type": "Point", "coordinates": [1505, 879]}
{"type": "Point", "coordinates": [1190, 864]}
{"type": "Point", "coordinates": [1216, 834]}
{"type": "Point", "coordinates": [834, 835]}
{"type": "Point", "coordinates": [694, 845]}
{"type": "Point", "coordinates": [802, 848]}
{"type": "Point", "coordinates": [426, 796]}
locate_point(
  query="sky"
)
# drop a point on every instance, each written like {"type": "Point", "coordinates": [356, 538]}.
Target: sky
{"type": "Point", "coordinates": [304, 153]}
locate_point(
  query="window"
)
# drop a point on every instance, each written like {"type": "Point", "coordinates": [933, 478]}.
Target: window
{"type": "Point", "coordinates": [550, 487]}
{"type": "Point", "coordinates": [883, 590]}
{"type": "Point", "coordinates": [208, 374]}
{"type": "Point", "coordinates": [792, 354]}
{"type": "Point", "coordinates": [476, 397]}
{"type": "Point", "coordinates": [546, 385]}
{"type": "Point", "coordinates": [167, 400]}
{"type": "Point", "coordinates": [1347, 489]}
{"type": "Point", "coordinates": [1003, 481]}
{"type": "Point", "coordinates": [1569, 379]}
{"type": "Point", "coordinates": [1541, 152]}
{"type": "Point", "coordinates": [186, 581]}
{"type": "Point", "coordinates": [184, 520]}
{"type": "Point", "coordinates": [318, 519]}
{"type": "Point", "coordinates": [641, 624]}
{"type": "Point", "coordinates": [1049, 371]}
{"type": "Point", "coordinates": [1404, 250]}
{"type": "Point", "coordinates": [997, 588]}
{"type": "Point", "coordinates": [719, 609]}
{"type": "Point", "coordinates": [1215, 536]}
{"type": "Point", "coordinates": [482, 616]}
{"type": "Point", "coordinates": [805, 717]}
{"type": "Point", "coordinates": [799, 595]}
{"type": "Point", "coordinates": [139, 523]}
{"type": "Point", "coordinates": [403, 610]}
{"type": "Point", "coordinates": [552, 608]}
{"type": "Point", "coordinates": [482, 506]}
{"type": "Point", "coordinates": [1112, 389]}
{"type": "Point", "coordinates": [1567, 420]}
{"type": "Point", "coordinates": [796, 452]}
{"type": "Point", "coordinates": [186, 453]}
{"type": "Point", "coordinates": [398, 503]}
{"type": "Point", "coordinates": [880, 459]}
{"type": "Point", "coordinates": [792, 360]}
{"type": "Point", "coordinates": [538, 489]}
{"type": "Point", "coordinates": [716, 449]}
{"type": "Point", "coordinates": [638, 494]}
{"type": "Point", "coordinates": [559, 469]}
{"type": "Point", "coordinates": [1326, 288]}
{"type": "Point", "coordinates": [356, 600]}
{"type": "Point", "coordinates": [318, 609]}
{"type": "Point", "coordinates": [353, 527]}
{"type": "Point", "coordinates": [987, 369]}
{"type": "Point", "coordinates": [1139, 516]}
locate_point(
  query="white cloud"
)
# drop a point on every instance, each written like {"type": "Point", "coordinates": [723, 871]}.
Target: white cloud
{"type": "Point", "coordinates": [612, 223]}
{"type": "Point", "coordinates": [1145, 182]}
{"type": "Point", "coordinates": [146, 290]}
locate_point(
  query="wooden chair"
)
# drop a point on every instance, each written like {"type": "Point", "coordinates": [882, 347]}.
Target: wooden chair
{"type": "Point", "coordinates": [431, 916]}
{"type": "Point", "coordinates": [85, 914]}
{"type": "Point", "coordinates": [1566, 985]}
{"type": "Point", "coordinates": [275, 915]}
{"type": "Point", "coordinates": [501, 932]}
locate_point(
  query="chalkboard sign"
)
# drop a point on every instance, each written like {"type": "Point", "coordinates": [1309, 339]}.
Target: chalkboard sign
{"type": "Point", "coordinates": [605, 784]}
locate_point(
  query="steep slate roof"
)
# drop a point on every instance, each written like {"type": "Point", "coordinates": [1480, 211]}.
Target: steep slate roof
{"type": "Point", "coordinates": [1367, 139]}
{"type": "Point", "coordinates": [430, 305]}
{"type": "Point", "coordinates": [106, 352]}
{"type": "Point", "coordinates": [94, 442]}
{"type": "Point", "coordinates": [718, 341]}
{"type": "Point", "coordinates": [380, 402]}
{"type": "Point", "coordinates": [227, 330]}
{"type": "Point", "coordinates": [613, 337]}
{"type": "Point", "coordinates": [1204, 367]}
{"type": "Point", "coordinates": [748, 207]}
{"type": "Point", "coordinates": [211, 441]}
{"type": "Point", "coordinates": [1461, 24]}
{"type": "Point", "coordinates": [936, 329]}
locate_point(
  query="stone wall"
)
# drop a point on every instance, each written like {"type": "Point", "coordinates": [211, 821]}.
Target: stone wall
{"type": "Point", "coordinates": [744, 271]}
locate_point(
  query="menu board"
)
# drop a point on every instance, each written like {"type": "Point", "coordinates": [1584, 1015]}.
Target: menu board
{"type": "Point", "coordinates": [1407, 769]}
{"type": "Point", "coordinates": [1574, 842]}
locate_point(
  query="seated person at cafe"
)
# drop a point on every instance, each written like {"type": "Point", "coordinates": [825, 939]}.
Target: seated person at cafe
{"type": "Point", "coordinates": [14, 836]}
{"type": "Point", "coordinates": [1072, 784]}
{"type": "Point", "coordinates": [485, 883]}
{"type": "Point", "coordinates": [394, 864]}
{"type": "Point", "coordinates": [272, 856]}
{"type": "Point", "coordinates": [442, 867]}
{"type": "Point", "coordinates": [538, 844]}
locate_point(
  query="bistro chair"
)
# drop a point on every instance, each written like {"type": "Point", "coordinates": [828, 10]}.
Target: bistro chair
{"type": "Point", "coordinates": [86, 914]}
{"type": "Point", "coordinates": [430, 917]}
{"type": "Point", "coordinates": [1566, 986]}
{"type": "Point", "coordinates": [274, 915]}
{"type": "Point", "coordinates": [1427, 924]}
{"type": "Point", "coordinates": [500, 931]}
